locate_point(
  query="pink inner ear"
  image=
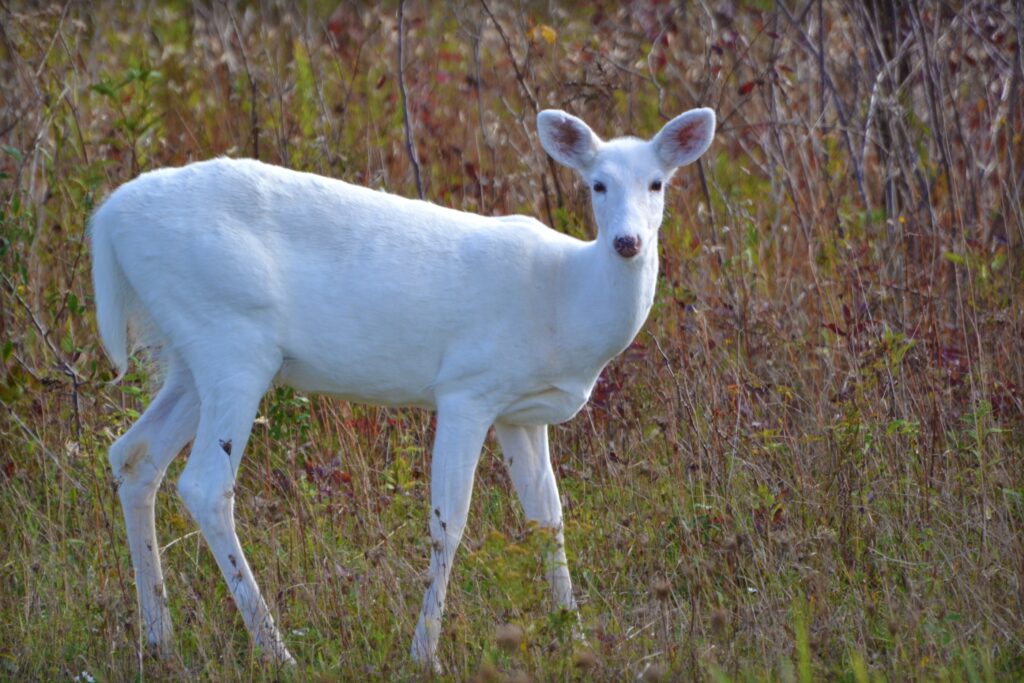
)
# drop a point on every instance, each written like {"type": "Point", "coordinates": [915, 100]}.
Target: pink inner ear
{"type": "Point", "coordinates": [688, 135]}
{"type": "Point", "coordinates": [567, 136]}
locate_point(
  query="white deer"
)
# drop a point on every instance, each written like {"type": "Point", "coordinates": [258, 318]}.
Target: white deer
{"type": "Point", "coordinates": [243, 274]}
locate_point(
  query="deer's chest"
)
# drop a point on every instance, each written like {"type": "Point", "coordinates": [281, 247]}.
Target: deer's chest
{"type": "Point", "coordinates": [548, 405]}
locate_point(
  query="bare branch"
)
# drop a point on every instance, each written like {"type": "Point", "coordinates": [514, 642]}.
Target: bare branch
{"type": "Point", "coordinates": [410, 145]}
{"type": "Point", "coordinates": [515, 65]}
{"type": "Point", "coordinates": [254, 121]}
{"type": "Point", "coordinates": [536, 109]}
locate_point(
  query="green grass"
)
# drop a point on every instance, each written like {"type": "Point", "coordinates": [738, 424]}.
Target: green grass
{"type": "Point", "coordinates": [808, 467]}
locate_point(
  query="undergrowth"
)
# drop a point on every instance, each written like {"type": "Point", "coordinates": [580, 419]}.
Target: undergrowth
{"type": "Point", "coordinates": [808, 465]}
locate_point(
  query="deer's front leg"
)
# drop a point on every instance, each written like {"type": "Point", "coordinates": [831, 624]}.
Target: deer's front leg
{"type": "Point", "coordinates": [457, 443]}
{"type": "Point", "coordinates": [529, 464]}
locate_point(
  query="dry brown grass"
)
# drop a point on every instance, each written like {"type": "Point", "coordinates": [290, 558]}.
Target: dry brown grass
{"type": "Point", "coordinates": [808, 465]}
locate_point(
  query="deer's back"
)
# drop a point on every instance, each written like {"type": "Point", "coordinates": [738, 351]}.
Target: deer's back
{"type": "Point", "coordinates": [366, 295]}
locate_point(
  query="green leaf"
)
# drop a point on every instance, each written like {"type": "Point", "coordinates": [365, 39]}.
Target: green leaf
{"type": "Point", "coordinates": [12, 152]}
{"type": "Point", "coordinates": [104, 88]}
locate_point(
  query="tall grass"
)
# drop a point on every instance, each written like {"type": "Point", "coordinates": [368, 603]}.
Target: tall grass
{"type": "Point", "coordinates": [809, 465]}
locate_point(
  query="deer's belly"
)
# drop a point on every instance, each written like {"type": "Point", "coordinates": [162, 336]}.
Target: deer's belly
{"type": "Point", "coordinates": [394, 385]}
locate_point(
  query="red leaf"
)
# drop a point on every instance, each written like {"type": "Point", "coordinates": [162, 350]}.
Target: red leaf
{"type": "Point", "coordinates": [747, 87]}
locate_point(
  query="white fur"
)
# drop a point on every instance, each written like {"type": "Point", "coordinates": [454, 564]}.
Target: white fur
{"type": "Point", "coordinates": [245, 274]}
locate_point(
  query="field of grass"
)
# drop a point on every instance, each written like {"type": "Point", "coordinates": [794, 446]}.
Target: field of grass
{"type": "Point", "coordinates": [810, 464]}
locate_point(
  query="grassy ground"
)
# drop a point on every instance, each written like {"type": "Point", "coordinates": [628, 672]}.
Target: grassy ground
{"type": "Point", "coordinates": [809, 465]}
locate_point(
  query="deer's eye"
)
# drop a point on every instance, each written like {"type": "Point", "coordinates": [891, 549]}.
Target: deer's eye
{"type": "Point", "coordinates": [656, 186]}
{"type": "Point", "coordinates": [599, 187]}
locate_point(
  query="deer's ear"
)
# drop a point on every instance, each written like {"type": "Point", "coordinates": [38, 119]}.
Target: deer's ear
{"type": "Point", "coordinates": [685, 138]}
{"type": "Point", "coordinates": [567, 139]}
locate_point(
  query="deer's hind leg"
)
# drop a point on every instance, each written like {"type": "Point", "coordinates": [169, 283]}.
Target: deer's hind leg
{"type": "Point", "coordinates": [231, 381]}
{"type": "Point", "coordinates": [139, 460]}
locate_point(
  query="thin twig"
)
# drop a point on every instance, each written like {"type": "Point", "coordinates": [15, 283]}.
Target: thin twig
{"type": "Point", "coordinates": [410, 146]}
{"type": "Point", "coordinates": [488, 143]}
{"type": "Point", "coordinates": [711, 208]}
{"type": "Point", "coordinates": [809, 47]}
{"type": "Point", "coordinates": [873, 101]}
{"type": "Point", "coordinates": [254, 121]}
{"type": "Point", "coordinates": [35, 437]}
{"type": "Point", "coordinates": [653, 77]}
{"type": "Point", "coordinates": [932, 97]}
{"type": "Point", "coordinates": [44, 333]}
{"type": "Point", "coordinates": [515, 65]}
{"type": "Point", "coordinates": [536, 109]}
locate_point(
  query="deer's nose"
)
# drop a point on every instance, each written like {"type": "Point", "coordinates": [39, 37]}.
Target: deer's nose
{"type": "Point", "coordinates": [627, 246]}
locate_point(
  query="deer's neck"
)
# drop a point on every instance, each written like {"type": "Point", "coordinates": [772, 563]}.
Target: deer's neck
{"type": "Point", "coordinates": [611, 301]}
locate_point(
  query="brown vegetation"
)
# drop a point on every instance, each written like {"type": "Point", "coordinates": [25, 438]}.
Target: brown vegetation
{"type": "Point", "coordinates": [809, 463]}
